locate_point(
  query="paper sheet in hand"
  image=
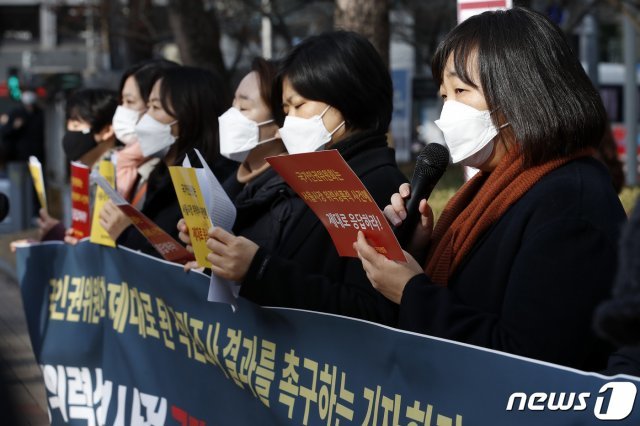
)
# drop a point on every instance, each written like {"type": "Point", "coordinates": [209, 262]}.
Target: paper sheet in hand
{"type": "Point", "coordinates": [221, 209]}
{"type": "Point", "coordinates": [98, 234]}
{"type": "Point", "coordinates": [340, 200]}
{"type": "Point", "coordinates": [193, 210]}
{"type": "Point", "coordinates": [222, 213]}
{"type": "Point", "coordinates": [35, 168]}
{"type": "Point", "coordinates": [168, 248]}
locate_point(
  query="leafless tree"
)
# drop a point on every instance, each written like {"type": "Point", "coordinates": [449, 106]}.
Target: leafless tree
{"type": "Point", "coordinates": [367, 17]}
{"type": "Point", "coordinates": [197, 34]}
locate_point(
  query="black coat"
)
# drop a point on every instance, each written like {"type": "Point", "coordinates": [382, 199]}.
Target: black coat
{"type": "Point", "coordinates": [530, 284]}
{"type": "Point", "coordinates": [618, 319]}
{"type": "Point", "coordinates": [265, 208]}
{"type": "Point", "coordinates": [624, 361]}
{"type": "Point", "coordinates": [305, 271]}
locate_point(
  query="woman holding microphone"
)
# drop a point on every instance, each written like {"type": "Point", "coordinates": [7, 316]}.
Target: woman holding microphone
{"type": "Point", "coordinates": [526, 250]}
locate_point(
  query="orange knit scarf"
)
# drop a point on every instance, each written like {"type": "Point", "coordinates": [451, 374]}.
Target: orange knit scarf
{"type": "Point", "coordinates": [477, 205]}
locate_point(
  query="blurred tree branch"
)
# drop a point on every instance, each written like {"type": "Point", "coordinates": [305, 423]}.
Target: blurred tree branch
{"type": "Point", "coordinates": [367, 17]}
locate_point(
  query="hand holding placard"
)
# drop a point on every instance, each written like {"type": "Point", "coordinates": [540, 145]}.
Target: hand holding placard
{"type": "Point", "coordinates": [164, 244]}
{"type": "Point", "coordinates": [221, 212]}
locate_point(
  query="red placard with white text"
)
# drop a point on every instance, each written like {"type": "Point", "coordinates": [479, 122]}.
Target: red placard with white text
{"type": "Point", "coordinates": [335, 194]}
{"type": "Point", "coordinates": [80, 217]}
{"type": "Point", "coordinates": [164, 244]}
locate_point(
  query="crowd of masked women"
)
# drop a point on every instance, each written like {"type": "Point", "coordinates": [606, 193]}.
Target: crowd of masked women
{"type": "Point", "coordinates": [521, 257]}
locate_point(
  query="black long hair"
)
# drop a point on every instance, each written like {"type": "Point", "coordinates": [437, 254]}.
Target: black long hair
{"type": "Point", "coordinates": [344, 70]}
{"type": "Point", "coordinates": [527, 71]}
{"type": "Point", "coordinates": [195, 98]}
{"type": "Point", "coordinates": [95, 106]}
{"type": "Point", "coordinates": [267, 72]}
{"type": "Point", "coordinates": [145, 74]}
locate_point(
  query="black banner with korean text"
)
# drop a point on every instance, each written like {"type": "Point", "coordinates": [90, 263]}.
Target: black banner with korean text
{"type": "Point", "coordinates": [123, 338]}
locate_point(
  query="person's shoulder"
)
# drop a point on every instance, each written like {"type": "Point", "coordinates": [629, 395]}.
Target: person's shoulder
{"type": "Point", "coordinates": [584, 179]}
{"type": "Point", "coordinates": [375, 161]}
{"type": "Point", "coordinates": [625, 360]}
{"type": "Point", "coordinates": [579, 190]}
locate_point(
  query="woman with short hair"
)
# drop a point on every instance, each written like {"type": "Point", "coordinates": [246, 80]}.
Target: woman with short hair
{"type": "Point", "coordinates": [525, 251]}
{"type": "Point", "coordinates": [248, 134]}
{"type": "Point", "coordinates": [88, 139]}
{"type": "Point", "coordinates": [337, 94]}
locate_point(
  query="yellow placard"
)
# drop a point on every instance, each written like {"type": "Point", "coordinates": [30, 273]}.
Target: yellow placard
{"type": "Point", "coordinates": [193, 210]}
{"type": "Point", "coordinates": [98, 234]}
{"type": "Point", "coordinates": [35, 168]}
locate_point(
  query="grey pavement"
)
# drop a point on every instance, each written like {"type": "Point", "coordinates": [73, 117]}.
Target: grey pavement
{"type": "Point", "coordinates": [23, 376]}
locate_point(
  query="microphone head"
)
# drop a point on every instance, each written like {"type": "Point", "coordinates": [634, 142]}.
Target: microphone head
{"type": "Point", "coordinates": [432, 161]}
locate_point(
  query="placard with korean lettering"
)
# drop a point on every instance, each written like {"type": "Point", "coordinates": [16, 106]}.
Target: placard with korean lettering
{"type": "Point", "coordinates": [80, 224]}
{"type": "Point", "coordinates": [193, 209]}
{"type": "Point", "coordinates": [98, 234]}
{"type": "Point", "coordinates": [164, 244]}
{"type": "Point", "coordinates": [340, 200]}
{"type": "Point", "coordinates": [35, 168]}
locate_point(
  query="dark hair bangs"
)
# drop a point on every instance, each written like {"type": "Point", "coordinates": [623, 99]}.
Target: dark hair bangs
{"type": "Point", "coordinates": [463, 44]}
{"type": "Point", "coordinates": [195, 98]}
{"type": "Point", "coordinates": [94, 106]}
{"type": "Point", "coordinates": [344, 70]}
{"type": "Point", "coordinates": [309, 74]}
{"type": "Point", "coordinates": [166, 98]}
{"type": "Point", "coordinates": [528, 71]}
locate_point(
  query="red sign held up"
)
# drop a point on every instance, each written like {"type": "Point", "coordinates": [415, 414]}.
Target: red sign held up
{"type": "Point", "coordinates": [340, 200]}
{"type": "Point", "coordinates": [468, 8]}
{"type": "Point", "coordinates": [80, 217]}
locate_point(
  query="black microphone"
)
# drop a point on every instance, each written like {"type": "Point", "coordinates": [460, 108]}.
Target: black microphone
{"type": "Point", "coordinates": [4, 206]}
{"type": "Point", "coordinates": [430, 166]}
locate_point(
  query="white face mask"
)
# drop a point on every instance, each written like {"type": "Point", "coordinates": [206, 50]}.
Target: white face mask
{"type": "Point", "coordinates": [467, 132]}
{"type": "Point", "coordinates": [153, 135]}
{"type": "Point", "coordinates": [239, 134]}
{"type": "Point", "coordinates": [124, 124]}
{"type": "Point", "coordinates": [306, 134]}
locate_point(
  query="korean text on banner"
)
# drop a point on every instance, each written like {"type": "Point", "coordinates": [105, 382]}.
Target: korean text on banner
{"type": "Point", "coordinates": [35, 168]}
{"type": "Point", "coordinates": [80, 224]}
{"type": "Point", "coordinates": [98, 234]}
{"type": "Point", "coordinates": [340, 200]}
{"type": "Point", "coordinates": [193, 209]}
{"type": "Point", "coordinates": [164, 244]}
{"type": "Point", "coordinates": [121, 347]}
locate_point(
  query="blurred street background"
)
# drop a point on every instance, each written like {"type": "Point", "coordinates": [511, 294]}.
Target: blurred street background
{"type": "Point", "coordinates": [52, 47]}
{"type": "Point", "coordinates": [22, 376]}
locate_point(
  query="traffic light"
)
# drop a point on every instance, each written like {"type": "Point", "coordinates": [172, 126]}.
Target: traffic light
{"type": "Point", "coordinates": [61, 82]}
{"type": "Point", "coordinates": [13, 84]}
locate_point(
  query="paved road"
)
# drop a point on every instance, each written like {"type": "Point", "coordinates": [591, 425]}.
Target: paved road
{"type": "Point", "coordinates": [24, 378]}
